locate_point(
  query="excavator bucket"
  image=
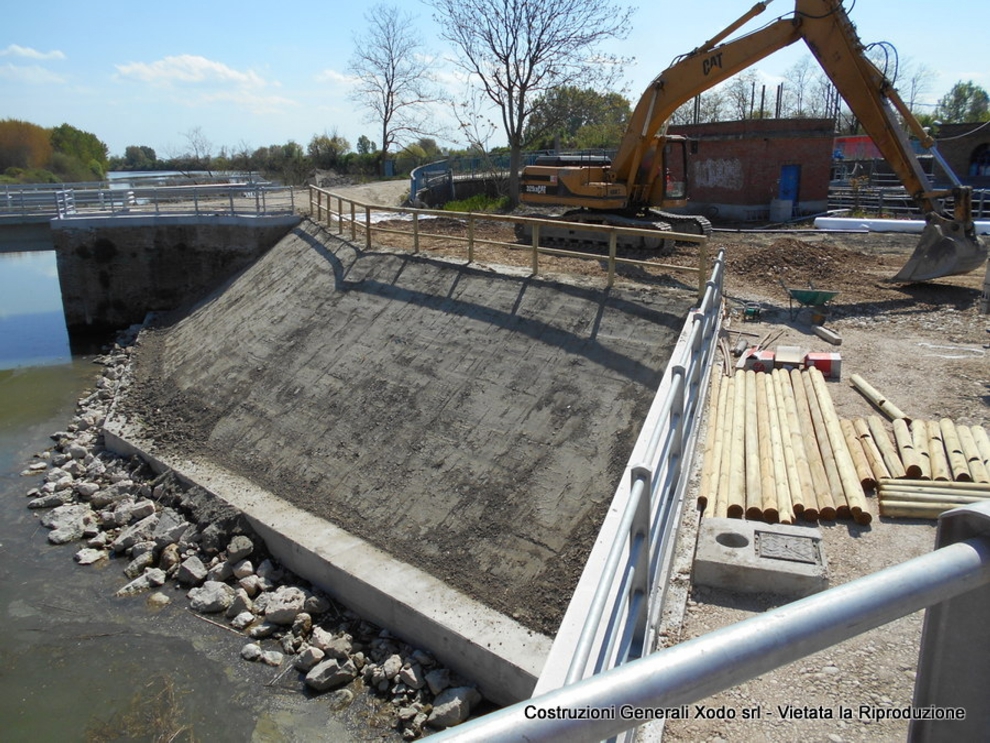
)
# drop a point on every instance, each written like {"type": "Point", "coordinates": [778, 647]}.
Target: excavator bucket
{"type": "Point", "coordinates": [945, 249]}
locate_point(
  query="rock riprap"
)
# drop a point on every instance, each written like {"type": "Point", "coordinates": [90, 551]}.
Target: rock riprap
{"type": "Point", "coordinates": [161, 530]}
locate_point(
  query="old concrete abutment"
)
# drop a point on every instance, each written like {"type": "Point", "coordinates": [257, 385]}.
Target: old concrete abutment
{"type": "Point", "coordinates": [115, 270]}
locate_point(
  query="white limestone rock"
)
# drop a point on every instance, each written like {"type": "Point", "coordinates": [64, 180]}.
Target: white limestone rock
{"type": "Point", "coordinates": [68, 522]}
{"type": "Point", "coordinates": [151, 579]}
{"type": "Point", "coordinates": [285, 604]}
{"type": "Point", "coordinates": [191, 572]}
{"type": "Point", "coordinates": [210, 598]}
{"type": "Point", "coordinates": [89, 556]}
{"type": "Point", "coordinates": [330, 674]}
{"type": "Point", "coordinates": [453, 706]}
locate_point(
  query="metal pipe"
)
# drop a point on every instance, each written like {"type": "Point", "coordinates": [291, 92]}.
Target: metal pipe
{"type": "Point", "coordinates": [582, 652]}
{"type": "Point", "coordinates": [694, 670]}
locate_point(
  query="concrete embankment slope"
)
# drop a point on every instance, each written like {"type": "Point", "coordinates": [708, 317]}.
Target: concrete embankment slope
{"type": "Point", "coordinates": [468, 422]}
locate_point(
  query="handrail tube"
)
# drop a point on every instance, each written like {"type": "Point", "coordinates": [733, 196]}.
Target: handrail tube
{"type": "Point", "coordinates": [622, 610]}
{"type": "Point", "coordinates": [584, 645]}
{"type": "Point", "coordinates": [694, 670]}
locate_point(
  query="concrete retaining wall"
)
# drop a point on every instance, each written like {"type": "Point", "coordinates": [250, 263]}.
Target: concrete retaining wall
{"type": "Point", "coordinates": [113, 271]}
{"type": "Point", "coordinates": [503, 658]}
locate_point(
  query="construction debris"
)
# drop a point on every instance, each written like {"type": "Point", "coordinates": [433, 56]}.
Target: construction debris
{"type": "Point", "coordinates": [827, 335]}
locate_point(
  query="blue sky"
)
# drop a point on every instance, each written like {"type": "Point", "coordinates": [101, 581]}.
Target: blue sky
{"type": "Point", "coordinates": [249, 74]}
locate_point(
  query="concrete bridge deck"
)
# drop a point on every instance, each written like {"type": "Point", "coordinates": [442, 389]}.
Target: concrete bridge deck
{"type": "Point", "coordinates": [435, 443]}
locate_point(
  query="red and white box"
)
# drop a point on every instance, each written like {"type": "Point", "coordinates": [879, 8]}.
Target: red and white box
{"type": "Point", "coordinates": [829, 364]}
{"type": "Point", "coordinates": [759, 361]}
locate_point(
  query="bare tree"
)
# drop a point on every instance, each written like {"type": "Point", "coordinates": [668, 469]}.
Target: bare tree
{"type": "Point", "coordinates": [799, 79]}
{"type": "Point", "coordinates": [394, 79]}
{"type": "Point", "coordinates": [201, 148]}
{"type": "Point", "coordinates": [916, 81]}
{"type": "Point", "coordinates": [742, 95]}
{"type": "Point", "coordinates": [702, 109]}
{"type": "Point", "coordinates": [517, 49]}
{"type": "Point", "coordinates": [478, 130]}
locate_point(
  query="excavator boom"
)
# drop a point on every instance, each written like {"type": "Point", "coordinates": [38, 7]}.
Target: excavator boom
{"type": "Point", "coordinates": [638, 178]}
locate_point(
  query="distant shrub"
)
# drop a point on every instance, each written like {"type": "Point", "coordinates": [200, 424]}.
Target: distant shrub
{"type": "Point", "coordinates": [28, 175]}
{"type": "Point", "coordinates": [479, 203]}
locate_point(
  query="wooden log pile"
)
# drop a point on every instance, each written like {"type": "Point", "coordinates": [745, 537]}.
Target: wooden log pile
{"type": "Point", "coordinates": [776, 451]}
{"type": "Point", "coordinates": [929, 467]}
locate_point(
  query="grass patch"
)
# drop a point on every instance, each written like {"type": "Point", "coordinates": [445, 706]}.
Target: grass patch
{"type": "Point", "coordinates": [479, 203]}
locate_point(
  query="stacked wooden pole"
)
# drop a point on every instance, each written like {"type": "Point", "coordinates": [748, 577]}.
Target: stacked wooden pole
{"type": "Point", "coordinates": [929, 466]}
{"type": "Point", "coordinates": [775, 450]}
{"type": "Point", "coordinates": [925, 450]}
{"type": "Point", "coordinates": [927, 500]}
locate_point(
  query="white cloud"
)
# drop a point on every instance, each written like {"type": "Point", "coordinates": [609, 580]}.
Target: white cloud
{"type": "Point", "coordinates": [14, 50]}
{"type": "Point", "coordinates": [189, 68]}
{"type": "Point", "coordinates": [258, 104]}
{"type": "Point", "coordinates": [334, 78]}
{"type": "Point", "coordinates": [30, 75]}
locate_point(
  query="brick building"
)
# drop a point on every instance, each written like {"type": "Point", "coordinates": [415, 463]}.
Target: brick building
{"type": "Point", "coordinates": [759, 169]}
{"type": "Point", "coordinates": [966, 147]}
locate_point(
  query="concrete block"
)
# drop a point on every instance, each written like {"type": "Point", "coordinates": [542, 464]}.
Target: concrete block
{"type": "Point", "coordinates": [753, 557]}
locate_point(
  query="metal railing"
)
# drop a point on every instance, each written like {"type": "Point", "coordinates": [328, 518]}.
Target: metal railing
{"type": "Point", "coordinates": [954, 581]}
{"type": "Point", "coordinates": [441, 172]}
{"type": "Point", "coordinates": [631, 568]}
{"type": "Point", "coordinates": [352, 216]}
{"type": "Point", "coordinates": [895, 201]}
{"type": "Point", "coordinates": [230, 199]}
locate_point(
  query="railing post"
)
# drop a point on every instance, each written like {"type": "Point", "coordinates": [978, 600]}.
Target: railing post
{"type": "Point", "coordinates": [702, 269]}
{"type": "Point", "coordinates": [353, 223]}
{"type": "Point", "coordinates": [640, 587]}
{"type": "Point", "coordinates": [953, 667]}
{"type": "Point", "coordinates": [367, 228]}
{"type": "Point", "coordinates": [415, 232]}
{"type": "Point", "coordinates": [536, 249]}
{"type": "Point", "coordinates": [612, 245]}
{"type": "Point", "coordinates": [470, 237]}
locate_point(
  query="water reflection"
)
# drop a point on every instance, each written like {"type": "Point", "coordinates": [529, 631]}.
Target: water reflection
{"type": "Point", "coordinates": [32, 325]}
{"type": "Point", "coordinates": [76, 662]}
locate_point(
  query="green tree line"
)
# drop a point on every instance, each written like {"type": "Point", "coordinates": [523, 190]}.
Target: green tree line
{"type": "Point", "coordinates": [566, 117]}
{"type": "Point", "coordinates": [33, 154]}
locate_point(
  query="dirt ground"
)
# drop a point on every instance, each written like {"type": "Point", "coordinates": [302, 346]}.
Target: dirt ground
{"type": "Point", "coordinates": [925, 347]}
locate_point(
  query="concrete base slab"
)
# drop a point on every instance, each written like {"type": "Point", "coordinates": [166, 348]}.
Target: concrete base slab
{"type": "Point", "coordinates": [753, 557]}
{"type": "Point", "coordinates": [496, 652]}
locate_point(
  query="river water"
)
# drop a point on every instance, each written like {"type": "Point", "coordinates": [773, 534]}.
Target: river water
{"type": "Point", "coordinates": [77, 663]}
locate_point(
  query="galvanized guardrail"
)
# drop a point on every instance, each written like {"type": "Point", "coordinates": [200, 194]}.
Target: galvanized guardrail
{"type": "Point", "coordinates": [895, 201]}
{"type": "Point", "coordinates": [230, 199]}
{"type": "Point", "coordinates": [613, 616]}
{"type": "Point", "coordinates": [953, 674]}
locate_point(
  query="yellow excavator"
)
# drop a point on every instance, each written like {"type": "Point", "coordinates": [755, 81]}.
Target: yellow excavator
{"type": "Point", "coordinates": [650, 172]}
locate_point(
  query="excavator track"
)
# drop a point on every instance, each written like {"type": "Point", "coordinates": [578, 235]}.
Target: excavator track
{"type": "Point", "coordinates": [570, 236]}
